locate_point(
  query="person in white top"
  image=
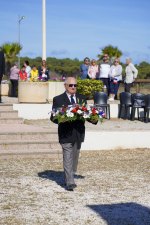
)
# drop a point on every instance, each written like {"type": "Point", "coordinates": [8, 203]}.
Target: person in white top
{"type": "Point", "coordinates": [93, 69]}
{"type": "Point", "coordinates": [28, 69]}
{"type": "Point", "coordinates": [131, 74]}
{"type": "Point", "coordinates": [115, 75]}
{"type": "Point", "coordinates": [104, 69]}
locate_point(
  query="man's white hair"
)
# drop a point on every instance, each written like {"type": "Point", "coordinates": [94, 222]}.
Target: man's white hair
{"type": "Point", "coordinates": [65, 82]}
{"type": "Point", "coordinates": [129, 59]}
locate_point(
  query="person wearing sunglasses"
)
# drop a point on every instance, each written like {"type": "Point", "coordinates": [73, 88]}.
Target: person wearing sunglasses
{"type": "Point", "coordinates": [71, 134]}
{"type": "Point", "coordinates": [115, 75]}
{"type": "Point", "coordinates": [84, 68]}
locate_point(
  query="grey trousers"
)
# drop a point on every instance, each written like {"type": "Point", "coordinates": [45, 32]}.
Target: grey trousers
{"type": "Point", "coordinates": [70, 160]}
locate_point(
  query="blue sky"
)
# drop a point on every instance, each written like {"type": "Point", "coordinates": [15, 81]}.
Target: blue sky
{"type": "Point", "coordinates": [79, 28]}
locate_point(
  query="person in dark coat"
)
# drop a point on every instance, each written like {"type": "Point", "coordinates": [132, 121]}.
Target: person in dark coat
{"type": "Point", "coordinates": [44, 73]}
{"type": "Point", "coordinates": [71, 134]}
{"type": "Point", "coordinates": [2, 69]}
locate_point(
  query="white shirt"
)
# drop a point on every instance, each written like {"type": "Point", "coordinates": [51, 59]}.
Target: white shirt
{"type": "Point", "coordinates": [69, 96]}
{"type": "Point", "coordinates": [131, 73]}
{"type": "Point", "coordinates": [116, 72]}
{"type": "Point", "coordinates": [104, 70]}
{"type": "Point", "coordinates": [28, 70]}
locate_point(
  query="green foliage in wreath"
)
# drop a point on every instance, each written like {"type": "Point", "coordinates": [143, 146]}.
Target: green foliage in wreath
{"type": "Point", "coordinates": [87, 87]}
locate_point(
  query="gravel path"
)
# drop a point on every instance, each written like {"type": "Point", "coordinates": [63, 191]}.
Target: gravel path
{"type": "Point", "coordinates": [113, 189]}
{"type": "Point", "coordinates": [106, 125]}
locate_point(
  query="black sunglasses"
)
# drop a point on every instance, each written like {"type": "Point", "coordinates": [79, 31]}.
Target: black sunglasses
{"type": "Point", "coordinates": [72, 85]}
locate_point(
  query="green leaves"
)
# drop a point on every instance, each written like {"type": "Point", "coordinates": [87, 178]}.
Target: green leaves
{"type": "Point", "coordinates": [112, 52]}
{"type": "Point", "coordinates": [87, 87]}
{"type": "Point", "coordinates": [11, 50]}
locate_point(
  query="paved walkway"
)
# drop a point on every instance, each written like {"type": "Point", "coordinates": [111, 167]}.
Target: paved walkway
{"type": "Point", "coordinates": [106, 125]}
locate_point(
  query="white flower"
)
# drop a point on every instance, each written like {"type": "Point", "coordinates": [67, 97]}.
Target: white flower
{"type": "Point", "coordinates": [88, 107]}
{"type": "Point", "coordinates": [69, 114]}
{"type": "Point", "coordinates": [79, 112]}
{"type": "Point", "coordinates": [85, 116]}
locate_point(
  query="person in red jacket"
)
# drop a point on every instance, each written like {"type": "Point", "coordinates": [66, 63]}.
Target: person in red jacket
{"type": "Point", "coordinates": [23, 74]}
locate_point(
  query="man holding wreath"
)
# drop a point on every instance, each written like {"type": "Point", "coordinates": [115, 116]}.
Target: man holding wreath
{"type": "Point", "coordinates": [71, 134]}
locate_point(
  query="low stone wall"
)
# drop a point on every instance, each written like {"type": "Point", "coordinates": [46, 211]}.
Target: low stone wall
{"type": "Point", "coordinates": [113, 140]}
{"type": "Point", "coordinates": [32, 92]}
{"type": "Point", "coordinates": [39, 92]}
{"type": "Point", "coordinates": [5, 89]}
{"type": "Point", "coordinates": [54, 89]}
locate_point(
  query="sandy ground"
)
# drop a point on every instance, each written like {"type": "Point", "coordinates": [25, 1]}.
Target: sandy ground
{"type": "Point", "coordinates": [113, 189]}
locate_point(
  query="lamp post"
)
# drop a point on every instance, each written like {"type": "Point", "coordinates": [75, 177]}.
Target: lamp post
{"type": "Point", "coordinates": [19, 21]}
{"type": "Point", "coordinates": [44, 29]}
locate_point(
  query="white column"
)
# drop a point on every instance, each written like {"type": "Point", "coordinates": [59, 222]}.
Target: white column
{"type": "Point", "coordinates": [44, 29]}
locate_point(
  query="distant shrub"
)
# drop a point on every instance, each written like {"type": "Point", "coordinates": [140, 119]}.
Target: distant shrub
{"type": "Point", "coordinates": [88, 87]}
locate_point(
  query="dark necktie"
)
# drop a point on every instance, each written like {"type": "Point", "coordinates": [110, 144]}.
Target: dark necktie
{"type": "Point", "coordinates": [72, 99]}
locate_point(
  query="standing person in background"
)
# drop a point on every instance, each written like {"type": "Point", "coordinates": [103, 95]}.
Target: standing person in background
{"type": "Point", "coordinates": [34, 74]}
{"type": "Point", "coordinates": [2, 69]}
{"type": "Point", "coordinates": [84, 68]}
{"type": "Point", "coordinates": [115, 75]}
{"type": "Point", "coordinates": [93, 69]}
{"type": "Point", "coordinates": [131, 74]}
{"type": "Point", "coordinates": [28, 69]}
{"type": "Point", "coordinates": [44, 73]}
{"type": "Point", "coordinates": [104, 70]}
{"type": "Point", "coordinates": [23, 74]}
{"type": "Point", "coordinates": [14, 77]}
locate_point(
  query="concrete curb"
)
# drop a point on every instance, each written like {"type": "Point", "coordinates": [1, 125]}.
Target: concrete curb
{"type": "Point", "coordinates": [111, 140]}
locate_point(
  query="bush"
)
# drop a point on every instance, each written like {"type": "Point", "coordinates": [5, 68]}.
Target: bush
{"type": "Point", "coordinates": [87, 87]}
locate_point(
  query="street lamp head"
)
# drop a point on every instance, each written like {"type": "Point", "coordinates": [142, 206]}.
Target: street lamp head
{"type": "Point", "coordinates": [21, 18]}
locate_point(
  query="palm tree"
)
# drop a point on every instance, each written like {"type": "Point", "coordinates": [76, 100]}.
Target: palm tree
{"type": "Point", "coordinates": [113, 52]}
{"type": "Point", "coordinates": [11, 50]}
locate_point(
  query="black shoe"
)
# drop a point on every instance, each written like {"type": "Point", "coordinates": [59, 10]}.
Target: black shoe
{"type": "Point", "coordinates": [70, 187]}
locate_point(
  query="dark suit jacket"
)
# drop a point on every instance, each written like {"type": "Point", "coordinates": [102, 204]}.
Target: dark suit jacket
{"type": "Point", "coordinates": [46, 72]}
{"type": "Point", "coordinates": [2, 65]}
{"type": "Point", "coordinates": [69, 132]}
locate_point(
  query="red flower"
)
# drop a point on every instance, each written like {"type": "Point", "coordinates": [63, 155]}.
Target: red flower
{"type": "Point", "coordinates": [84, 108]}
{"type": "Point", "coordinates": [74, 110]}
{"type": "Point", "coordinates": [94, 111]}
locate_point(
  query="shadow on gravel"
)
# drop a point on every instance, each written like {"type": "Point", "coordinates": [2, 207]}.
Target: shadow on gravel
{"type": "Point", "coordinates": [123, 213]}
{"type": "Point", "coordinates": [57, 176]}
